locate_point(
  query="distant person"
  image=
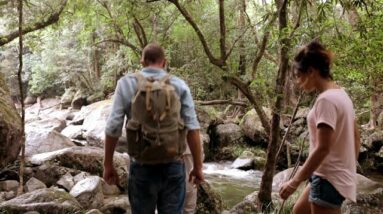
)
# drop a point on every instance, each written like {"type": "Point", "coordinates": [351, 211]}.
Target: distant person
{"type": "Point", "coordinates": [334, 138]}
{"type": "Point", "coordinates": [160, 119]}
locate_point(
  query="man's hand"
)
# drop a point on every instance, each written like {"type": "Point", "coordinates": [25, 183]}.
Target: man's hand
{"type": "Point", "coordinates": [110, 175]}
{"type": "Point", "coordinates": [288, 188]}
{"type": "Point", "coordinates": [196, 176]}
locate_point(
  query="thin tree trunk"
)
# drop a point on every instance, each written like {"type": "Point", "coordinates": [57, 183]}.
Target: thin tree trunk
{"type": "Point", "coordinates": [241, 43]}
{"type": "Point", "coordinates": [264, 195]}
{"type": "Point", "coordinates": [22, 161]}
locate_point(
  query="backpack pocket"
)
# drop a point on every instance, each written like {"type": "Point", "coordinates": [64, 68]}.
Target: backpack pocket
{"type": "Point", "coordinates": [133, 134]}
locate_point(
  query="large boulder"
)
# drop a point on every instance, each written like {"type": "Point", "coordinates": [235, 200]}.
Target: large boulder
{"type": "Point", "coordinates": [94, 124]}
{"type": "Point", "coordinates": [44, 201]}
{"type": "Point", "coordinates": [88, 159]}
{"type": "Point", "coordinates": [48, 124]}
{"type": "Point", "coordinates": [228, 134]}
{"type": "Point", "coordinates": [252, 126]}
{"type": "Point", "coordinates": [79, 100]}
{"type": "Point", "coordinates": [10, 127]}
{"type": "Point", "coordinates": [41, 141]}
{"type": "Point", "coordinates": [67, 97]}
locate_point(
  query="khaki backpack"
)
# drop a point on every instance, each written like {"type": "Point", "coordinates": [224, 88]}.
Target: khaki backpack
{"type": "Point", "coordinates": [155, 132]}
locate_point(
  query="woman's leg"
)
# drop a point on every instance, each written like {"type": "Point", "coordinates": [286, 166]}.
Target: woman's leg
{"type": "Point", "coordinates": [302, 206]}
{"type": "Point", "coordinates": [316, 209]}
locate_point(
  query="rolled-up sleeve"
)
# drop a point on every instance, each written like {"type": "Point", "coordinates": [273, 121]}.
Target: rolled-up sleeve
{"type": "Point", "coordinates": [116, 118]}
{"type": "Point", "coordinates": [188, 112]}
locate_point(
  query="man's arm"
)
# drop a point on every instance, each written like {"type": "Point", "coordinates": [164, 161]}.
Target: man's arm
{"type": "Point", "coordinates": [357, 140]}
{"type": "Point", "coordinates": [194, 142]}
{"type": "Point", "coordinates": [110, 174]}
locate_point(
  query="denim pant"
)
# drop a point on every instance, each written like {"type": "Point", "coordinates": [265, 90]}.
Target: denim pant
{"type": "Point", "coordinates": [160, 185]}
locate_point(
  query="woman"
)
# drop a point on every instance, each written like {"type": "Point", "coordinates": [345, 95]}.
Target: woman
{"type": "Point", "coordinates": [334, 138]}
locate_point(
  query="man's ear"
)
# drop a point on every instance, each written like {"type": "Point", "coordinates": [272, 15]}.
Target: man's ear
{"type": "Point", "coordinates": [164, 63]}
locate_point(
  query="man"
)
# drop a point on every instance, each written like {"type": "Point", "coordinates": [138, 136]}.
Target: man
{"type": "Point", "coordinates": [159, 185]}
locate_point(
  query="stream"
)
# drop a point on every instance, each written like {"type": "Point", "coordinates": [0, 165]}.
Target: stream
{"type": "Point", "coordinates": [231, 184]}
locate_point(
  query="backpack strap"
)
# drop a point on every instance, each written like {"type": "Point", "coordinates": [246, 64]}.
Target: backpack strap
{"type": "Point", "coordinates": [143, 83]}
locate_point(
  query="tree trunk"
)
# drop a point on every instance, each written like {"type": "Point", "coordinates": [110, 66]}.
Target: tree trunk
{"type": "Point", "coordinates": [264, 195]}
{"type": "Point", "coordinates": [241, 42]}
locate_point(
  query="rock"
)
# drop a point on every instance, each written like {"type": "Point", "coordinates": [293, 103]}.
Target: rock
{"type": "Point", "coordinates": [374, 141]}
{"type": "Point", "coordinates": [50, 173]}
{"type": "Point", "coordinates": [371, 203]}
{"type": "Point", "coordinates": [66, 181]}
{"type": "Point", "coordinates": [89, 192]}
{"type": "Point", "coordinates": [97, 96]}
{"type": "Point", "coordinates": [34, 184]}
{"type": "Point", "coordinates": [41, 141]}
{"type": "Point", "coordinates": [94, 211]}
{"type": "Point", "coordinates": [9, 195]}
{"type": "Point", "coordinates": [380, 153]}
{"type": "Point", "coordinates": [43, 201]}
{"type": "Point", "coordinates": [49, 124]}
{"type": "Point", "coordinates": [67, 97]}
{"type": "Point", "coordinates": [88, 159]}
{"type": "Point", "coordinates": [116, 205]}
{"type": "Point", "coordinates": [10, 127]}
{"type": "Point", "coordinates": [47, 108]}
{"type": "Point", "coordinates": [94, 124]}
{"type": "Point", "coordinates": [109, 189]}
{"type": "Point", "coordinates": [228, 134]}
{"type": "Point", "coordinates": [280, 178]}
{"type": "Point", "coordinates": [79, 100]}
{"type": "Point", "coordinates": [208, 201]}
{"type": "Point", "coordinates": [366, 185]}
{"type": "Point", "coordinates": [302, 113]}
{"type": "Point", "coordinates": [73, 132]}
{"type": "Point", "coordinates": [252, 126]}
{"type": "Point", "coordinates": [380, 120]}
{"type": "Point", "coordinates": [30, 100]}
{"type": "Point", "coordinates": [245, 161]}
{"type": "Point", "coordinates": [9, 185]}
{"type": "Point", "coordinates": [9, 175]}
{"type": "Point", "coordinates": [80, 176]}
{"type": "Point", "coordinates": [206, 114]}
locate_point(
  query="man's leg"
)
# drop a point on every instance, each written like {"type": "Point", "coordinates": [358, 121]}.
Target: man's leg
{"type": "Point", "coordinates": [191, 191]}
{"type": "Point", "coordinates": [144, 184]}
{"type": "Point", "coordinates": [172, 193]}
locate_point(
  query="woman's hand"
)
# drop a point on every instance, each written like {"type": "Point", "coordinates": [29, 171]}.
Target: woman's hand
{"type": "Point", "coordinates": [288, 188]}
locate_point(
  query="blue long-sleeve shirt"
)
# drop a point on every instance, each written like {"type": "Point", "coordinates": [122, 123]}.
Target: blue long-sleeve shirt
{"type": "Point", "coordinates": [125, 91]}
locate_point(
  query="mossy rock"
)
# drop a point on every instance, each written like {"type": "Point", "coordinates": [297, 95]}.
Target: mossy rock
{"type": "Point", "coordinates": [10, 127]}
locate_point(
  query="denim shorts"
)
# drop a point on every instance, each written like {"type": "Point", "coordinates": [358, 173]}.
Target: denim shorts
{"type": "Point", "coordinates": [323, 193]}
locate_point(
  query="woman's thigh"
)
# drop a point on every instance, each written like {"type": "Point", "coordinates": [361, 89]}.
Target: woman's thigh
{"type": "Point", "coordinates": [302, 206]}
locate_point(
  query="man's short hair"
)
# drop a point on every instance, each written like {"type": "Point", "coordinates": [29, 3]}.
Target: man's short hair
{"type": "Point", "coordinates": [152, 54]}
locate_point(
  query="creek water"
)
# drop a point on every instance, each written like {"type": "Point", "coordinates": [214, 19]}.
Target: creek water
{"type": "Point", "coordinates": [231, 184]}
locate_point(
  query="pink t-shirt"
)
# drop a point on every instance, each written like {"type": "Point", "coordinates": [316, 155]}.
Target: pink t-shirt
{"type": "Point", "coordinates": [334, 107]}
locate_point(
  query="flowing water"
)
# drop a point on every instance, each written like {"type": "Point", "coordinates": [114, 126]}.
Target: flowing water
{"type": "Point", "coordinates": [231, 184]}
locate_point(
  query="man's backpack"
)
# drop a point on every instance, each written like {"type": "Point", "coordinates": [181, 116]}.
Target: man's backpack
{"type": "Point", "coordinates": [155, 132]}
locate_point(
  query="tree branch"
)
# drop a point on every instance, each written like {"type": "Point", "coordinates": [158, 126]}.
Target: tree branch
{"type": "Point", "coordinates": [244, 88]}
{"type": "Point", "coordinates": [140, 32]}
{"type": "Point", "coordinates": [187, 16]}
{"type": "Point", "coordinates": [53, 18]}
{"type": "Point", "coordinates": [221, 102]}
{"type": "Point", "coordinates": [262, 49]}
{"type": "Point", "coordinates": [122, 42]}
{"type": "Point", "coordinates": [222, 29]}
